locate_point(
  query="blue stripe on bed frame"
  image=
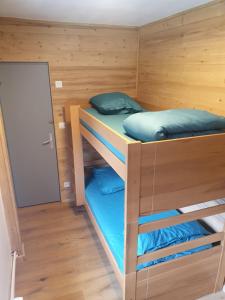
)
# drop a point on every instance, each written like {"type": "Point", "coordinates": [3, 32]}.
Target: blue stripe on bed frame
{"type": "Point", "coordinates": [109, 146]}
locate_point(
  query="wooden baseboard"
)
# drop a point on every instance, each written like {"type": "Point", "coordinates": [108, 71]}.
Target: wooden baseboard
{"type": "Point", "coordinates": [13, 277]}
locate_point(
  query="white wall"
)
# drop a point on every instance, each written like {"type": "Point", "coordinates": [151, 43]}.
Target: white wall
{"type": "Point", "coordinates": [5, 256]}
{"type": "Point", "coordinates": [109, 12]}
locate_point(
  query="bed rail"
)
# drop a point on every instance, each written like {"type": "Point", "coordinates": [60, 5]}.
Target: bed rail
{"type": "Point", "coordinates": [109, 157]}
{"type": "Point", "coordinates": [210, 239]}
{"type": "Point", "coordinates": [182, 218]}
{"type": "Point", "coordinates": [117, 140]}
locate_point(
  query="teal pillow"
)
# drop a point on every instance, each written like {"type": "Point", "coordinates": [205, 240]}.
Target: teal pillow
{"type": "Point", "coordinates": [107, 180]}
{"type": "Point", "coordinates": [173, 123]}
{"type": "Point", "coordinates": [115, 103]}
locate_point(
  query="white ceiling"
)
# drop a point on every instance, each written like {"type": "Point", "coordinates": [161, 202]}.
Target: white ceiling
{"type": "Point", "coordinates": [108, 12]}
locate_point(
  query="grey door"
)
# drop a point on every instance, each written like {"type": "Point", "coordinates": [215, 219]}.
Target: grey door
{"type": "Point", "coordinates": [27, 111]}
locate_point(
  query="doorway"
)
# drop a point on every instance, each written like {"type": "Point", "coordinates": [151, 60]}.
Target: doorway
{"type": "Point", "coordinates": [25, 99]}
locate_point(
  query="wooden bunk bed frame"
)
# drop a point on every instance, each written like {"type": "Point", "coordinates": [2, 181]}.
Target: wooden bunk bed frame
{"type": "Point", "coordinates": [159, 176]}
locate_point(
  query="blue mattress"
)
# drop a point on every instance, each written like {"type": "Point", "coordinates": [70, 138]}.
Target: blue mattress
{"type": "Point", "coordinates": [109, 214]}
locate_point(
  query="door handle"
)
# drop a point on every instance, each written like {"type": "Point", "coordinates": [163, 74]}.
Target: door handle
{"type": "Point", "coordinates": [46, 142]}
{"type": "Point", "coordinates": [49, 141]}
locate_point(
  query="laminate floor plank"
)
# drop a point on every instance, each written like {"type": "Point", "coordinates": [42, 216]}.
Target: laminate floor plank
{"type": "Point", "coordinates": [64, 258]}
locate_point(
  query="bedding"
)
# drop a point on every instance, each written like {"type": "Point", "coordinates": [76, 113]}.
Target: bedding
{"type": "Point", "coordinates": [115, 103]}
{"type": "Point", "coordinates": [108, 181]}
{"type": "Point", "coordinates": [141, 130]}
{"type": "Point", "coordinates": [174, 123]}
{"type": "Point", "coordinates": [108, 211]}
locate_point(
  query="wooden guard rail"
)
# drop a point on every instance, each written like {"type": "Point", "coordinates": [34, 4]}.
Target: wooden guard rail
{"type": "Point", "coordinates": [185, 217]}
{"type": "Point", "coordinates": [118, 141]}
{"type": "Point", "coordinates": [212, 238]}
{"type": "Point", "coordinates": [111, 159]}
{"type": "Point", "coordinates": [171, 221]}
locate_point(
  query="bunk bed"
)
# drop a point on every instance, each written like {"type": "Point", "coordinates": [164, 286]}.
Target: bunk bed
{"type": "Point", "coordinates": [159, 176]}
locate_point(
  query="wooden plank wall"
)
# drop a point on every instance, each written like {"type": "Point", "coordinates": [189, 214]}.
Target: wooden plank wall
{"type": "Point", "coordinates": [88, 60]}
{"type": "Point", "coordinates": [182, 60]}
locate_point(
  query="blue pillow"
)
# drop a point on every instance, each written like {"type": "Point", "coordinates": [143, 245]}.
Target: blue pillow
{"type": "Point", "coordinates": [107, 180]}
{"type": "Point", "coordinates": [115, 103]}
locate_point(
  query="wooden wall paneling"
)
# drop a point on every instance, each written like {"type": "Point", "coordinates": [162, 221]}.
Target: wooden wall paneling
{"type": "Point", "coordinates": [64, 154]}
{"type": "Point", "coordinates": [88, 59]}
{"type": "Point", "coordinates": [90, 154]}
{"type": "Point", "coordinates": [182, 59]}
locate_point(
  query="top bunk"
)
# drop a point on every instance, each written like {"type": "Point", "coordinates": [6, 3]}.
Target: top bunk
{"type": "Point", "coordinates": [174, 173]}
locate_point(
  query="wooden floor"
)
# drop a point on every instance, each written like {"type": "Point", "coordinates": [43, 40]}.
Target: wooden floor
{"type": "Point", "coordinates": [64, 259]}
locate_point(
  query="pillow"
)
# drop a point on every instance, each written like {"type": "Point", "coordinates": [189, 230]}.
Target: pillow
{"type": "Point", "coordinates": [115, 103]}
{"type": "Point", "coordinates": [174, 123]}
{"type": "Point", "coordinates": [108, 181]}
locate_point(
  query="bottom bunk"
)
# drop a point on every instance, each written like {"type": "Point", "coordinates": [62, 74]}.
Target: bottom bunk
{"type": "Point", "coordinates": [192, 271]}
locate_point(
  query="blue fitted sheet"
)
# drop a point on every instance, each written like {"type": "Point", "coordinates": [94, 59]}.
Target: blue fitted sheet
{"type": "Point", "coordinates": [113, 121]}
{"type": "Point", "coordinates": [109, 214]}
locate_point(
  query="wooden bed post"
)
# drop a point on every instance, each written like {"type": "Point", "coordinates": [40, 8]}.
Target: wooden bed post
{"type": "Point", "coordinates": [132, 199]}
{"type": "Point", "coordinates": [78, 160]}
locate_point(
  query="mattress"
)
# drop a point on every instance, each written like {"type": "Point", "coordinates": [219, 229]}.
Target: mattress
{"type": "Point", "coordinates": [108, 211]}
